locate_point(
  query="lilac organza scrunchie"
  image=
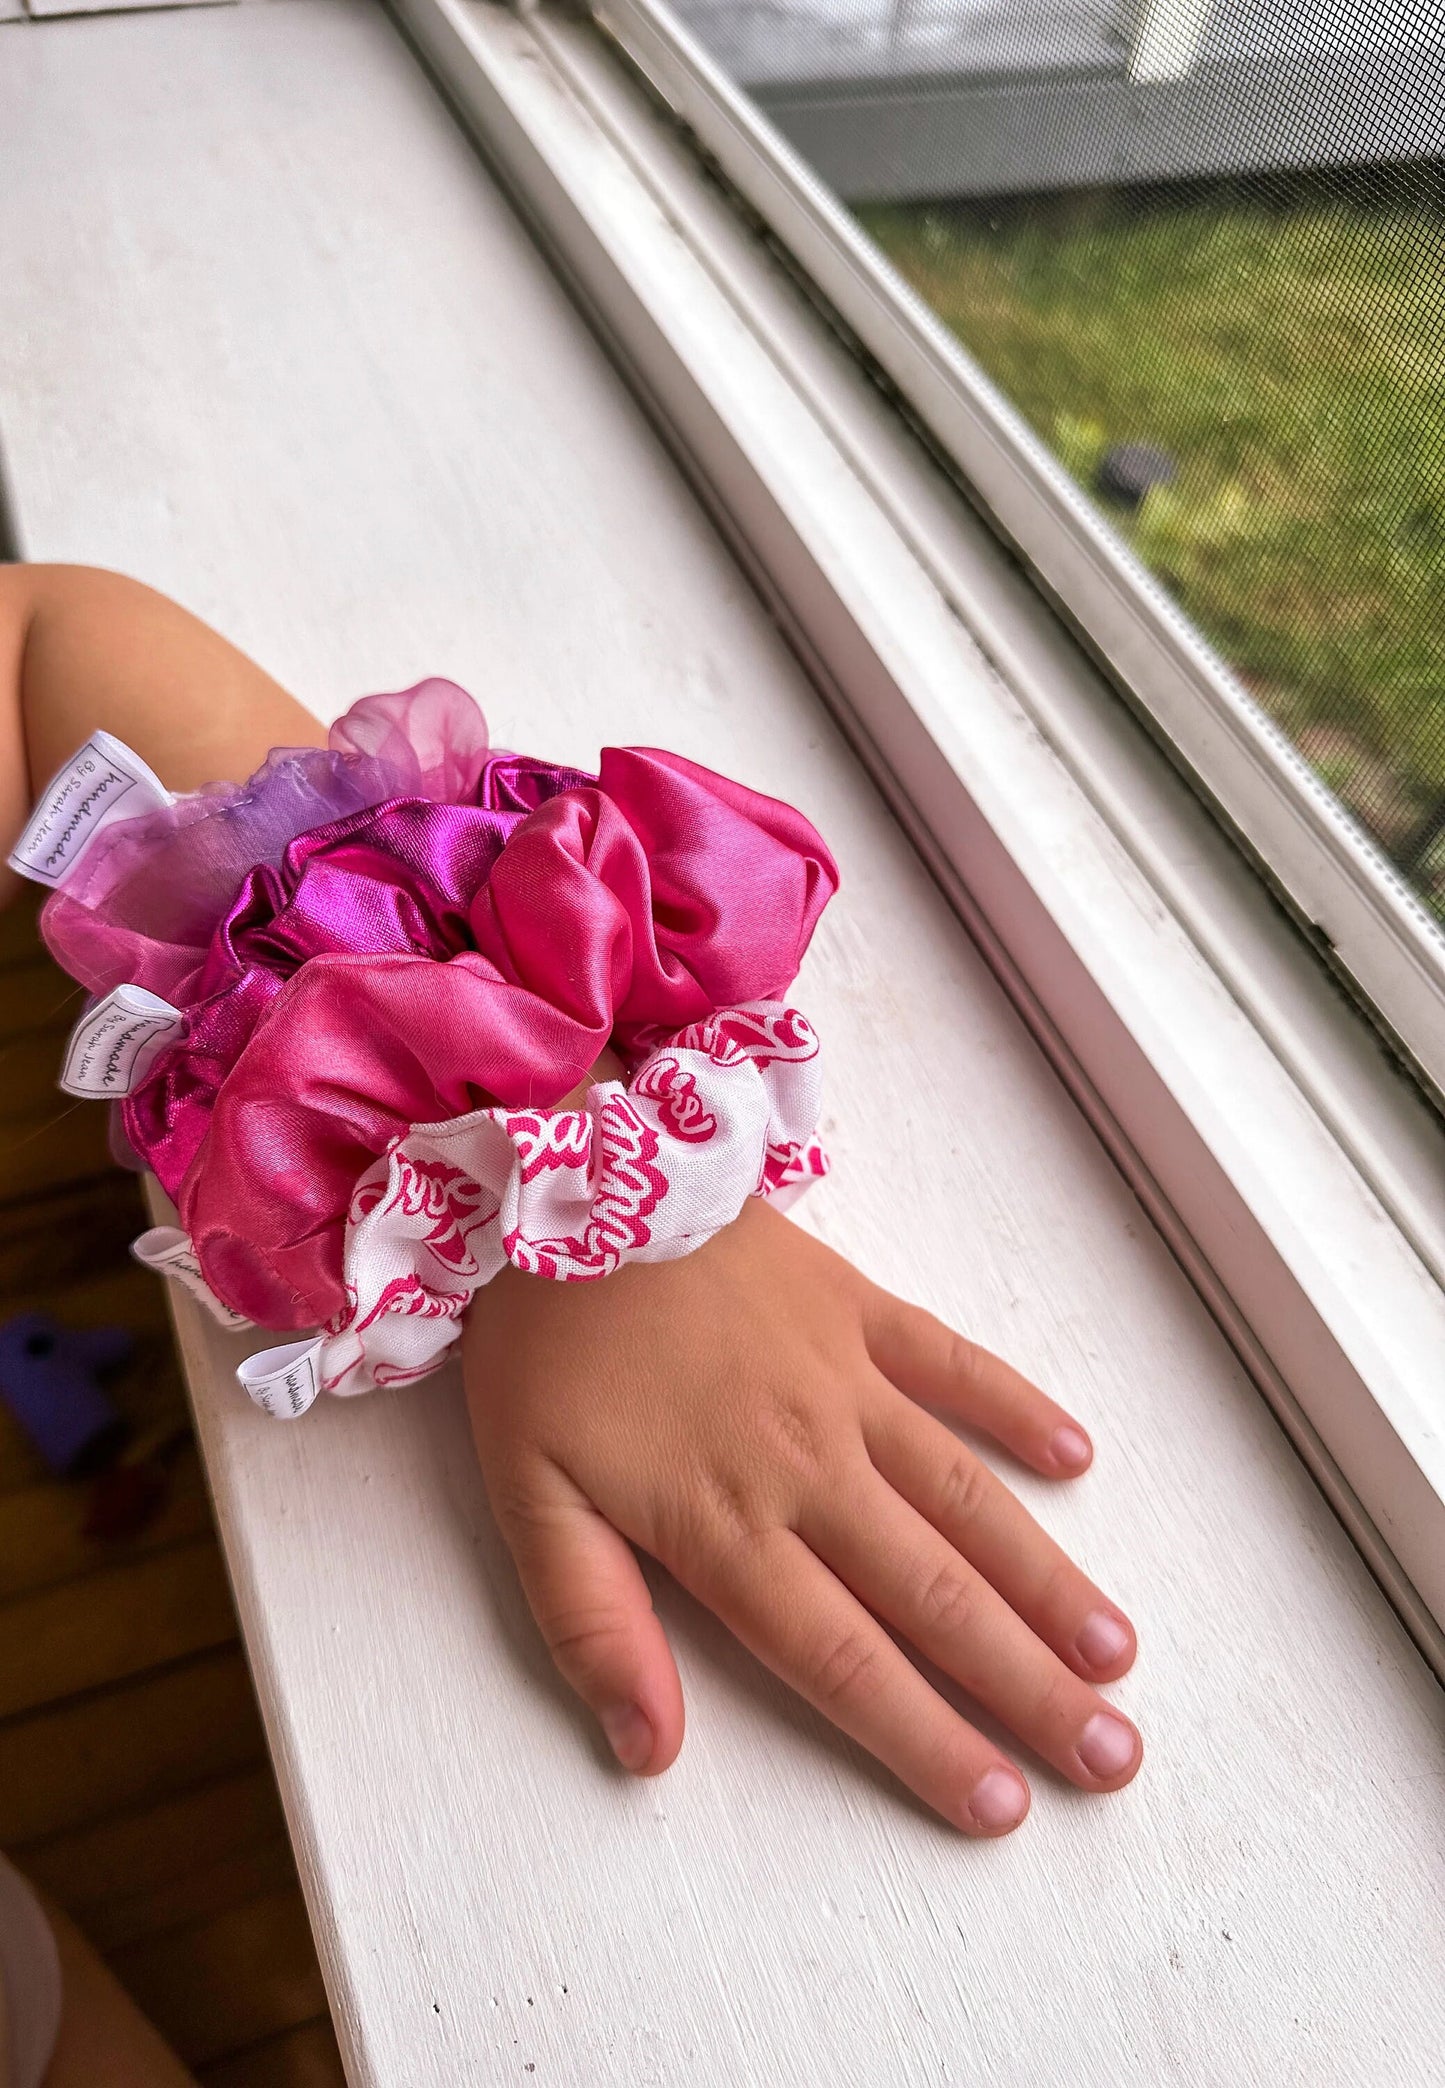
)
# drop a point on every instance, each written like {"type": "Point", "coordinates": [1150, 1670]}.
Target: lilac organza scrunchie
{"type": "Point", "coordinates": [144, 903]}
{"type": "Point", "coordinates": [644, 903]}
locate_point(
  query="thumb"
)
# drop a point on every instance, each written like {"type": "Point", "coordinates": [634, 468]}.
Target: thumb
{"type": "Point", "coordinates": [592, 1605]}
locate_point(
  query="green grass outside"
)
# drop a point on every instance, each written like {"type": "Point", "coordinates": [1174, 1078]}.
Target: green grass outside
{"type": "Point", "coordinates": [1290, 356]}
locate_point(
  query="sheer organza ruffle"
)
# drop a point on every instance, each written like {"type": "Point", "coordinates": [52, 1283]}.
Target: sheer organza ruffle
{"type": "Point", "coordinates": [143, 904]}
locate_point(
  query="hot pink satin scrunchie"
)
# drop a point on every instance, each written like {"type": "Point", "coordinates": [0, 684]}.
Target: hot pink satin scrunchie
{"type": "Point", "coordinates": [644, 903]}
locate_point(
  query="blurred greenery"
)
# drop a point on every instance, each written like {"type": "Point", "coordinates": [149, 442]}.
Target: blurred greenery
{"type": "Point", "coordinates": [1285, 345]}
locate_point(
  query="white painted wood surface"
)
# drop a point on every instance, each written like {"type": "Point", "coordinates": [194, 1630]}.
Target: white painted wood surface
{"type": "Point", "coordinates": [53, 9]}
{"type": "Point", "coordinates": [269, 338]}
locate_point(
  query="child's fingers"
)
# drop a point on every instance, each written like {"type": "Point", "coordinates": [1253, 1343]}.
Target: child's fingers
{"type": "Point", "coordinates": [956, 1492]}
{"type": "Point", "coordinates": [592, 1605]}
{"type": "Point", "coordinates": [790, 1610]}
{"type": "Point", "coordinates": [938, 1368]}
{"type": "Point", "coordinates": [914, 1579]}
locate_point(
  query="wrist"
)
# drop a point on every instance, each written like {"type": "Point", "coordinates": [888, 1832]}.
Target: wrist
{"type": "Point", "coordinates": [607, 1066]}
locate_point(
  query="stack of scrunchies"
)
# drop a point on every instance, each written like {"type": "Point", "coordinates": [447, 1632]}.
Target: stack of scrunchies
{"type": "Point", "coordinates": [380, 968]}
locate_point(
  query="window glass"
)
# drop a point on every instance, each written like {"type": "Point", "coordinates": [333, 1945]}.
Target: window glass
{"type": "Point", "coordinates": [1200, 245]}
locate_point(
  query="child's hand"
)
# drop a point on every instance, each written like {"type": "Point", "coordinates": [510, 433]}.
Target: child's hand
{"type": "Point", "coordinates": [747, 1416]}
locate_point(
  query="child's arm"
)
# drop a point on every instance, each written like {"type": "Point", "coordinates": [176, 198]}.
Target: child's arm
{"type": "Point", "coordinates": [81, 648]}
{"type": "Point", "coordinates": [752, 1415]}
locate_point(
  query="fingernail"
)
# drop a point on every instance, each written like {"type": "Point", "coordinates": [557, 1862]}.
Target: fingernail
{"type": "Point", "coordinates": [999, 1800]}
{"type": "Point", "coordinates": [1069, 1447]}
{"type": "Point", "coordinates": [1101, 1639]}
{"type": "Point", "coordinates": [1107, 1745]}
{"type": "Point", "coordinates": [629, 1733]}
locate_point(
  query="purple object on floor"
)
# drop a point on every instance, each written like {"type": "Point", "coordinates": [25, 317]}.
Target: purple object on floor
{"type": "Point", "coordinates": [50, 1380]}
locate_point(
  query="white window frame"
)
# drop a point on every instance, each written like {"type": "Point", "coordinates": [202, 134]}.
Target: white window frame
{"type": "Point", "coordinates": [1358, 905]}
{"type": "Point", "coordinates": [1299, 1179]}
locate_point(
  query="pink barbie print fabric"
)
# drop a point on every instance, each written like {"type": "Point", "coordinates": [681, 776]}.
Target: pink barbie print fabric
{"type": "Point", "coordinates": [725, 1109]}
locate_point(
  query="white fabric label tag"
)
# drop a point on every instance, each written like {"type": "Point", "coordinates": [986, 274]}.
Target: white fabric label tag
{"type": "Point", "coordinates": [167, 1250]}
{"type": "Point", "coordinates": [102, 783]}
{"type": "Point", "coordinates": [115, 1043]}
{"type": "Point", "coordinates": [284, 1381]}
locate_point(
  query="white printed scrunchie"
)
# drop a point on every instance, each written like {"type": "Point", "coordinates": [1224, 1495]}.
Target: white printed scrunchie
{"type": "Point", "coordinates": [724, 1110]}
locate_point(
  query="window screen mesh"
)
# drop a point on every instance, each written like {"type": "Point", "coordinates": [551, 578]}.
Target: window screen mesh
{"type": "Point", "coordinates": [1201, 246]}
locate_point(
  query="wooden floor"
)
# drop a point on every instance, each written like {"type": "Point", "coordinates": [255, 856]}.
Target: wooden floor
{"type": "Point", "coordinates": [134, 1783]}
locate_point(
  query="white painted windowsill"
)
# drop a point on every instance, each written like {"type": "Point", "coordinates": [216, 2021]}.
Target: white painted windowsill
{"type": "Point", "coordinates": [1299, 1179]}
{"type": "Point", "coordinates": [273, 339]}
